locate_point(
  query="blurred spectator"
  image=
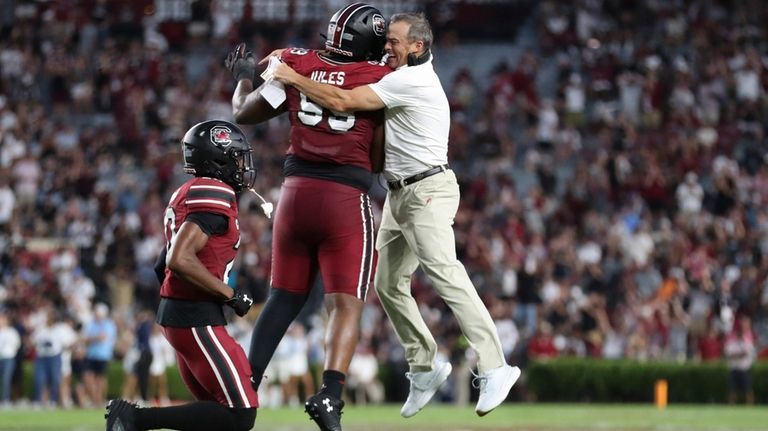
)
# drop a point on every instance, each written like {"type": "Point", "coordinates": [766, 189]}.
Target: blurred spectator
{"type": "Point", "coordinates": [9, 345]}
{"type": "Point", "coordinates": [100, 335]}
{"type": "Point", "coordinates": [364, 382]}
{"type": "Point", "coordinates": [710, 345]}
{"type": "Point", "coordinates": [17, 381]}
{"type": "Point", "coordinates": [7, 202]}
{"type": "Point", "coordinates": [78, 373]}
{"type": "Point", "coordinates": [301, 377]}
{"type": "Point", "coordinates": [138, 358]}
{"type": "Point", "coordinates": [289, 368]}
{"type": "Point", "coordinates": [163, 356]}
{"type": "Point", "coordinates": [501, 312]}
{"type": "Point", "coordinates": [690, 194]}
{"type": "Point", "coordinates": [65, 331]}
{"type": "Point", "coordinates": [26, 176]}
{"type": "Point", "coordinates": [740, 353]}
{"type": "Point", "coordinates": [542, 344]}
{"type": "Point", "coordinates": [47, 370]}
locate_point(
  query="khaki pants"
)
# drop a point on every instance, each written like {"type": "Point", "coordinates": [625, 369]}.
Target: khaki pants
{"type": "Point", "coordinates": [416, 229]}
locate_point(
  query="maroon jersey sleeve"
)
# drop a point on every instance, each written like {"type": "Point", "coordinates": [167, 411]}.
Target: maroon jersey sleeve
{"type": "Point", "coordinates": [318, 134]}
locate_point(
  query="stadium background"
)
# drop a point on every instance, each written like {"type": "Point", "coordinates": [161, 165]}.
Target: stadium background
{"type": "Point", "coordinates": [611, 156]}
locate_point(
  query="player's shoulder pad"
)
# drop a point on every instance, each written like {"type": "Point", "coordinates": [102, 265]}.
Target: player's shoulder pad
{"type": "Point", "coordinates": [209, 194]}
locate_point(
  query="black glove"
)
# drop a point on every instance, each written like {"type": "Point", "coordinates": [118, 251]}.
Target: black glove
{"type": "Point", "coordinates": [241, 63]}
{"type": "Point", "coordinates": [241, 302]}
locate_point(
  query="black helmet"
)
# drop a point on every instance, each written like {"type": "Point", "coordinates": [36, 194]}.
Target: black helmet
{"type": "Point", "coordinates": [218, 149]}
{"type": "Point", "coordinates": [357, 31]}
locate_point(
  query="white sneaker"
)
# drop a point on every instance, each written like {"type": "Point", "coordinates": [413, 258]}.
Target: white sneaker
{"type": "Point", "coordinates": [494, 387]}
{"type": "Point", "coordinates": [423, 386]}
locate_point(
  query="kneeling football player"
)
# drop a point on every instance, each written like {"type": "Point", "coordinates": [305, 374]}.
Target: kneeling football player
{"type": "Point", "coordinates": [203, 236]}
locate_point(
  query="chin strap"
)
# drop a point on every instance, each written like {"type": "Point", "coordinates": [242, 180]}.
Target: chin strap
{"type": "Point", "coordinates": [266, 207]}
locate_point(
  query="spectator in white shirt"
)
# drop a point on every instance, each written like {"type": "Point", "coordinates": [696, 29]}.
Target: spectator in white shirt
{"type": "Point", "coordinates": [364, 374]}
{"type": "Point", "coordinates": [47, 372]}
{"type": "Point", "coordinates": [163, 356]}
{"type": "Point", "coordinates": [7, 202]}
{"type": "Point", "coordinates": [27, 175]}
{"type": "Point", "coordinates": [65, 332]}
{"type": "Point", "coordinates": [9, 345]}
{"type": "Point", "coordinates": [690, 194]}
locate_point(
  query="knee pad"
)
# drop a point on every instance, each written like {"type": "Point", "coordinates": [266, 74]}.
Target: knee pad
{"type": "Point", "coordinates": [243, 418]}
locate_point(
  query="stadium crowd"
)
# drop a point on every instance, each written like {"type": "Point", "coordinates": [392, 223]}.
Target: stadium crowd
{"type": "Point", "coordinates": [618, 210]}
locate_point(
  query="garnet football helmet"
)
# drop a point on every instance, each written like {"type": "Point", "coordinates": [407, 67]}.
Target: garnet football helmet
{"type": "Point", "coordinates": [357, 31]}
{"type": "Point", "coordinates": [218, 149]}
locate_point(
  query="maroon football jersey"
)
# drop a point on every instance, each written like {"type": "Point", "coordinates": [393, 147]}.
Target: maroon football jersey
{"type": "Point", "coordinates": [202, 194]}
{"type": "Point", "coordinates": [319, 135]}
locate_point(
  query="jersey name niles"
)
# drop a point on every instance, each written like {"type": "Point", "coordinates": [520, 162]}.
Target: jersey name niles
{"type": "Point", "coordinates": [202, 194]}
{"type": "Point", "coordinates": [320, 135]}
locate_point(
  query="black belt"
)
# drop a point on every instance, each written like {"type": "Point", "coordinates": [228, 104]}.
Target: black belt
{"type": "Point", "coordinates": [399, 184]}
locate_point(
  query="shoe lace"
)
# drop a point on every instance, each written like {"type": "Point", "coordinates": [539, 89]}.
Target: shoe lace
{"type": "Point", "coordinates": [479, 381]}
{"type": "Point", "coordinates": [412, 377]}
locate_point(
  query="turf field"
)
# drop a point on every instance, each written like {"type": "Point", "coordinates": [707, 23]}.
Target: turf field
{"type": "Point", "coordinates": [518, 417]}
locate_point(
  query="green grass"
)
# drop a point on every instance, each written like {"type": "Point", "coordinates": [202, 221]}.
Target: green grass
{"type": "Point", "coordinates": [518, 417]}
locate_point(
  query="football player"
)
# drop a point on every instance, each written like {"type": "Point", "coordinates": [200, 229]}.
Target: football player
{"type": "Point", "coordinates": [323, 222]}
{"type": "Point", "coordinates": [203, 236]}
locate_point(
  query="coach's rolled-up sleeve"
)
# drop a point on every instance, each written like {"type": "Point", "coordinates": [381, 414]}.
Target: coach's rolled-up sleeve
{"type": "Point", "coordinates": [394, 89]}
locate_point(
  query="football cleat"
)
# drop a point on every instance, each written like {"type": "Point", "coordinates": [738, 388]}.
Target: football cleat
{"type": "Point", "coordinates": [121, 416]}
{"type": "Point", "coordinates": [325, 410]}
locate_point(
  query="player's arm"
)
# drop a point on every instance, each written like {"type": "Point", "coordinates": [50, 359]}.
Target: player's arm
{"type": "Point", "coordinates": [183, 261]}
{"type": "Point", "coordinates": [159, 266]}
{"type": "Point", "coordinates": [377, 148]}
{"type": "Point", "coordinates": [360, 98]}
{"type": "Point", "coordinates": [248, 107]}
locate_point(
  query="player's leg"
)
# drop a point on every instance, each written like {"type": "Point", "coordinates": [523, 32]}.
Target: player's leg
{"type": "Point", "coordinates": [294, 269]}
{"type": "Point", "coordinates": [393, 284]}
{"type": "Point", "coordinates": [198, 390]}
{"type": "Point", "coordinates": [341, 337]}
{"type": "Point", "coordinates": [435, 201]}
{"type": "Point", "coordinates": [395, 266]}
{"type": "Point", "coordinates": [346, 257]}
{"type": "Point", "coordinates": [280, 309]}
{"type": "Point", "coordinates": [215, 368]}
{"type": "Point", "coordinates": [342, 334]}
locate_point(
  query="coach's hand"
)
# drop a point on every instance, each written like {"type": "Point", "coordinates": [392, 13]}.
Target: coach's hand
{"type": "Point", "coordinates": [241, 63]}
{"type": "Point", "coordinates": [285, 74]}
{"type": "Point", "coordinates": [241, 301]}
{"type": "Point", "coordinates": [276, 53]}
